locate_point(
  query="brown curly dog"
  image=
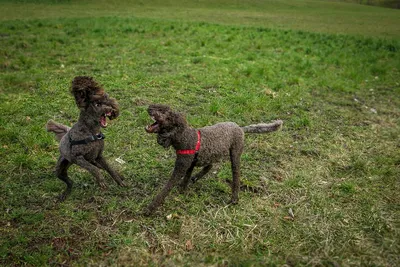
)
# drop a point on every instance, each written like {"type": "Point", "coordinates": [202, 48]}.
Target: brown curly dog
{"type": "Point", "coordinates": [200, 147]}
{"type": "Point", "coordinates": [83, 144]}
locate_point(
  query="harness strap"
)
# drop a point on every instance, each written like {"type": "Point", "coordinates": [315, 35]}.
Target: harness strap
{"type": "Point", "coordinates": [88, 140]}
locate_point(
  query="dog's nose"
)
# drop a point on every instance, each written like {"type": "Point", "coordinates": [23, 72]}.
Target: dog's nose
{"type": "Point", "coordinates": [113, 113]}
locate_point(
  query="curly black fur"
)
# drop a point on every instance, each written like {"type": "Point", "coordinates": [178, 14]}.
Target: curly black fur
{"type": "Point", "coordinates": [220, 141]}
{"type": "Point", "coordinates": [95, 107]}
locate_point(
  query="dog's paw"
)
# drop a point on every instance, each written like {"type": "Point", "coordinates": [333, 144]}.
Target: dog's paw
{"type": "Point", "coordinates": [103, 185]}
{"type": "Point", "coordinates": [147, 212]}
{"type": "Point", "coordinates": [122, 183]}
{"type": "Point", "coordinates": [182, 188]}
{"type": "Point", "coordinates": [182, 191]}
{"type": "Point", "coordinates": [234, 201]}
{"type": "Point", "coordinates": [62, 197]}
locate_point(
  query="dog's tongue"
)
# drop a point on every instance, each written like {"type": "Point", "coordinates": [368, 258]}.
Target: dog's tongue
{"type": "Point", "coordinates": [103, 121]}
{"type": "Point", "coordinates": [151, 128]}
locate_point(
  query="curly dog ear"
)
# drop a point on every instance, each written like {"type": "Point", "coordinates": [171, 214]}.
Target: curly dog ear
{"type": "Point", "coordinates": [177, 119]}
{"type": "Point", "coordinates": [85, 90]}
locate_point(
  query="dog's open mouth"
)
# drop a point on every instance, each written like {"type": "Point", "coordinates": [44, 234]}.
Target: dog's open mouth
{"type": "Point", "coordinates": [153, 128]}
{"type": "Point", "coordinates": [103, 119]}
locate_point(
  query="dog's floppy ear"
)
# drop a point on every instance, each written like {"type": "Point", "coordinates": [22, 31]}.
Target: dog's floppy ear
{"type": "Point", "coordinates": [178, 119]}
{"type": "Point", "coordinates": [159, 109]}
{"type": "Point", "coordinates": [84, 90]}
{"type": "Point", "coordinates": [164, 139]}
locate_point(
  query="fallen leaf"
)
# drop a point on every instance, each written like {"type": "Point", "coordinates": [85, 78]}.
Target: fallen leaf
{"type": "Point", "coordinates": [291, 213]}
{"type": "Point", "coordinates": [270, 93]}
{"type": "Point", "coordinates": [189, 245]}
{"type": "Point", "coordinates": [120, 161]}
{"type": "Point", "coordinates": [172, 216]}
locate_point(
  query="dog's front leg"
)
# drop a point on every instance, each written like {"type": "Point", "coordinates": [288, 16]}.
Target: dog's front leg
{"type": "Point", "coordinates": [182, 164]}
{"type": "Point", "coordinates": [114, 174]}
{"type": "Point", "coordinates": [183, 185]}
{"type": "Point", "coordinates": [202, 173]}
{"type": "Point", "coordinates": [82, 162]}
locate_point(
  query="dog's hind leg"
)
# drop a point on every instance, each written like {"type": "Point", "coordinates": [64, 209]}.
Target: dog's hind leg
{"type": "Point", "coordinates": [61, 172]}
{"type": "Point", "coordinates": [201, 173]}
{"type": "Point", "coordinates": [102, 163]}
{"type": "Point", "coordinates": [82, 162]}
{"type": "Point", "coordinates": [235, 164]}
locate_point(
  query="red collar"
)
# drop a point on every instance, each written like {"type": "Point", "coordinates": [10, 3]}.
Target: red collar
{"type": "Point", "coordinates": [191, 151]}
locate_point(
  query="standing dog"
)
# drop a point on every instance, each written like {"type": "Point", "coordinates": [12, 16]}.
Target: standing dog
{"type": "Point", "coordinates": [200, 147]}
{"type": "Point", "coordinates": [83, 143]}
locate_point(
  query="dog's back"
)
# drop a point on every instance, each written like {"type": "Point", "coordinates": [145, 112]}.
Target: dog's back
{"type": "Point", "coordinates": [218, 140]}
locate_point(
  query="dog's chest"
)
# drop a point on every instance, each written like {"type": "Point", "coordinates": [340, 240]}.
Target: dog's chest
{"type": "Point", "coordinates": [92, 150]}
{"type": "Point", "coordinates": [89, 151]}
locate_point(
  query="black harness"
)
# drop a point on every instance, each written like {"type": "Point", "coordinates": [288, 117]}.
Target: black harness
{"type": "Point", "coordinates": [88, 140]}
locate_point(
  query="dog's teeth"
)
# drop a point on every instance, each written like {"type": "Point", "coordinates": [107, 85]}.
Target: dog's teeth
{"type": "Point", "coordinates": [153, 118]}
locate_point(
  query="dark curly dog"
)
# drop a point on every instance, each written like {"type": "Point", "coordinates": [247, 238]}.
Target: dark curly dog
{"type": "Point", "coordinates": [83, 143]}
{"type": "Point", "coordinates": [200, 147]}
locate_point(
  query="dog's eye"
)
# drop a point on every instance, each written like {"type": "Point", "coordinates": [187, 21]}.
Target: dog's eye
{"type": "Point", "coordinates": [97, 104]}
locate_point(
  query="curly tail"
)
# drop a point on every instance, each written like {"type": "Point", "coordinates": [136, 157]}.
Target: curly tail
{"type": "Point", "coordinates": [59, 129]}
{"type": "Point", "coordinates": [263, 127]}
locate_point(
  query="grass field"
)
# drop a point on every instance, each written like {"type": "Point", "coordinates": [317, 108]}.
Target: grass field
{"type": "Point", "coordinates": [306, 15]}
{"type": "Point", "coordinates": [335, 164]}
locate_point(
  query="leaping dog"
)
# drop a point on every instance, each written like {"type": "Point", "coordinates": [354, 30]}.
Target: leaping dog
{"type": "Point", "coordinates": [83, 143]}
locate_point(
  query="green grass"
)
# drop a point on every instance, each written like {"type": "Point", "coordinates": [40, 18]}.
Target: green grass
{"type": "Point", "coordinates": [381, 3]}
{"type": "Point", "coordinates": [335, 163]}
{"type": "Point", "coordinates": [306, 15]}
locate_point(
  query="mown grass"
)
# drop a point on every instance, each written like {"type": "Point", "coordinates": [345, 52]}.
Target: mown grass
{"type": "Point", "coordinates": [335, 164]}
{"type": "Point", "coordinates": [381, 3]}
{"type": "Point", "coordinates": [306, 15]}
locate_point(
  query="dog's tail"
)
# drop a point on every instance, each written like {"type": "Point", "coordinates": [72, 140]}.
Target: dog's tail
{"type": "Point", "coordinates": [59, 129]}
{"type": "Point", "coordinates": [263, 127]}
